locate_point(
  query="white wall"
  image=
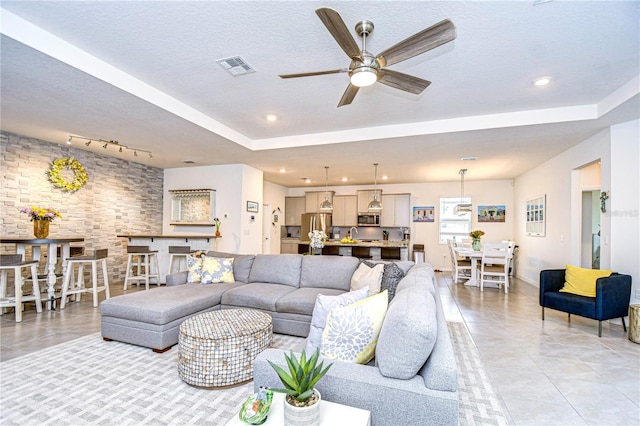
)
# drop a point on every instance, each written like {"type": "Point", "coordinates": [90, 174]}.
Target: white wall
{"type": "Point", "coordinates": [623, 206]}
{"type": "Point", "coordinates": [274, 196]}
{"type": "Point", "coordinates": [486, 192]}
{"type": "Point", "coordinates": [235, 184]}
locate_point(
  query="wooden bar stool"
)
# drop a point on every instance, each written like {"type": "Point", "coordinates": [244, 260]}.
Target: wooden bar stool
{"type": "Point", "coordinates": [78, 288]}
{"type": "Point", "coordinates": [361, 252]}
{"type": "Point", "coordinates": [14, 262]}
{"type": "Point", "coordinates": [331, 250]}
{"type": "Point", "coordinates": [390, 253]}
{"type": "Point", "coordinates": [178, 253]}
{"type": "Point", "coordinates": [144, 259]}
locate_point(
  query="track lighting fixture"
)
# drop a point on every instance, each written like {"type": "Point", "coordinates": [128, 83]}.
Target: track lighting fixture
{"type": "Point", "coordinates": [106, 144]}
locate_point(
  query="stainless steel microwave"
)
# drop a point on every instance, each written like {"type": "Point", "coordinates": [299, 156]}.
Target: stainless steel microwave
{"type": "Point", "coordinates": [369, 219]}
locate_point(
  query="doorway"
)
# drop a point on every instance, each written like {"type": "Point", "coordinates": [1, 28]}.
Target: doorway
{"type": "Point", "coordinates": [266, 229]}
{"type": "Point", "coordinates": [591, 229]}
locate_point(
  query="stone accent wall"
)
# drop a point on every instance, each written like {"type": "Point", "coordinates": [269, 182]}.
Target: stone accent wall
{"type": "Point", "coordinates": [121, 197]}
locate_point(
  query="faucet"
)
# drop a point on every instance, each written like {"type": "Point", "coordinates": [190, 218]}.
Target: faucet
{"type": "Point", "coordinates": [353, 228]}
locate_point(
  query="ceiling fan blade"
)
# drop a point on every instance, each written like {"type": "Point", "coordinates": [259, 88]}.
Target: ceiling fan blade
{"type": "Point", "coordinates": [309, 74]}
{"type": "Point", "coordinates": [348, 95]}
{"type": "Point", "coordinates": [334, 23]}
{"type": "Point", "coordinates": [402, 81]}
{"type": "Point", "coordinates": [430, 38]}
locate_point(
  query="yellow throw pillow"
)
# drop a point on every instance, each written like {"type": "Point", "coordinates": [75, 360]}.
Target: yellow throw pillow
{"type": "Point", "coordinates": [582, 281]}
{"type": "Point", "coordinates": [217, 270]}
{"type": "Point", "coordinates": [194, 264]}
{"type": "Point", "coordinates": [351, 332]}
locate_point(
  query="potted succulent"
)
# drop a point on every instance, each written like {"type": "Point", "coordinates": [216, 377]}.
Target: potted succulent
{"type": "Point", "coordinates": [302, 403]}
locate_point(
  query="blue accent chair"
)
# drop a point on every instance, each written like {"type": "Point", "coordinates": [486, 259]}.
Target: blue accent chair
{"type": "Point", "coordinates": [613, 294]}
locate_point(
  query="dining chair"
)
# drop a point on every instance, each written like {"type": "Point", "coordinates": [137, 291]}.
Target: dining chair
{"type": "Point", "coordinates": [494, 267]}
{"type": "Point", "coordinates": [460, 268]}
{"type": "Point", "coordinates": [14, 262]}
{"type": "Point", "coordinates": [513, 250]}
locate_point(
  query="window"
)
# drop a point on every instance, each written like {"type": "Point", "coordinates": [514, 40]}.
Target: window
{"type": "Point", "coordinates": [452, 225]}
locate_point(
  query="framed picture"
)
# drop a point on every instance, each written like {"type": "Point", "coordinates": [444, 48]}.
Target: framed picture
{"type": "Point", "coordinates": [252, 206]}
{"type": "Point", "coordinates": [424, 214]}
{"type": "Point", "coordinates": [491, 213]}
{"type": "Point", "coordinates": [535, 219]}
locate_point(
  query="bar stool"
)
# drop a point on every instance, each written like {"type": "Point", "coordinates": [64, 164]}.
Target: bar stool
{"type": "Point", "coordinates": [178, 253]}
{"type": "Point", "coordinates": [79, 288]}
{"type": "Point", "coordinates": [331, 250]}
{"type": "Point", "coordinates": [361, 252]}
{"type": "Point", "coordinates": [144, 258]}
{"type": "Point", "coordinates": [390, 253]}
{"type": "Point", "coordinates": [14, 261]}
{"type": "Point", "coordinates": [418, 253]}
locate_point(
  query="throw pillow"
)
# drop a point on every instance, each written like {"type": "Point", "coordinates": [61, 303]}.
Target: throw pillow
{"type": "Point", "coordinates": [365, 276]}
{"type": "Point", "coordinates": [351, 332]}
{"type": "Point", "coordinates": [408, 335]}
{"type": "Point", "coordinates": [323, 305]}
{"type": "Point", "coordinates": [194, 263]}
{"type": "Point", "coordinates": [217, 270]}
{"type": "Point", "coordinates": [391, 276]}
{"type": "Point", "coordinates": [582, 281]}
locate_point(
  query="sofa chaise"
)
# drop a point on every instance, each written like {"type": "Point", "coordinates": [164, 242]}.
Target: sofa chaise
{"type": "Point", "coordinates": [412, 380]}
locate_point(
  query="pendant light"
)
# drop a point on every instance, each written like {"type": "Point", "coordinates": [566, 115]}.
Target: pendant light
{"type": "Point", "coordinates": [462, 208]}
{"type": "Point", "coordinates": [326, 204]}
{"type": "Point", "coordinates": [375, 204]}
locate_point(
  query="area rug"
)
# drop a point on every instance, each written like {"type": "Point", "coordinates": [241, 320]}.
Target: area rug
{"type": "Point", "coordinates": [88, 381]}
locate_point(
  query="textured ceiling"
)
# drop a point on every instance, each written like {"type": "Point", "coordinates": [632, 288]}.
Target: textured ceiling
{"type": "Point", "coordinates": [144, 73]}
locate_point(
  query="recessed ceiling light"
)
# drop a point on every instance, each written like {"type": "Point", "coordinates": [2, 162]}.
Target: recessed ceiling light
{"type": "Point", "coordinates": [307, 180]}
{"type": "Point", "coordinates": [469, 158]}
{"type": "Point", "coordinates": [542, 81]}
{"type": "Point", "coordinates": [385, 177]}
{"type": "Point", "coordinates": [344, 179]}
{"type": "Point", "coordinates": [271, 117]}
{"type": "Point", "coordinates": [283, 170]}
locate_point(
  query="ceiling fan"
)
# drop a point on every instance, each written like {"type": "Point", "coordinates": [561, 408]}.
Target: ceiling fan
{"type": "Point", "coordinates": [365, 69]}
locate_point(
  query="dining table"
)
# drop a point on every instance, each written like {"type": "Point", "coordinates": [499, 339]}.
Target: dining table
{"type": "Point", "coordinates": [52, 256]}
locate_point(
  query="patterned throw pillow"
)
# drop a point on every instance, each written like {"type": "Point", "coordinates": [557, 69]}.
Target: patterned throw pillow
{"type": "Point", "coordinates": [391, 276]}
{"type": "Point", "coordinates": [366, 276]}
{"type": "Point", "coordinates": [351, 332]}
{"type": "Point", "coordinates": [217, 270]}
{"type": "Point", "coordinates": [321, 310]}
{"type": "Point", "coordinates": [194, 264]}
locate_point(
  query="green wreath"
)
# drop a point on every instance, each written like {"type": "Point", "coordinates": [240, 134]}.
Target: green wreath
{"type": "Point", "coordinates": [55, 174]}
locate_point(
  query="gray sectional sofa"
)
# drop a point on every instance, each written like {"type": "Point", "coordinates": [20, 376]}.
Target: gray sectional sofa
{"type": "Point", "coordinates": [412, 380]}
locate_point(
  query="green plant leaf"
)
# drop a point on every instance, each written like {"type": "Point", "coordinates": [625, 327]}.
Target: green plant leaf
{"type": "Point", "coordinates": [306, 395]}
{"type": "Point", "coordinates": [284, 377]}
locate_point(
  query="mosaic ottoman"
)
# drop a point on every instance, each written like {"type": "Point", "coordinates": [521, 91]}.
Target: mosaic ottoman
{"type": "Point", "coordinates": [217, 349]}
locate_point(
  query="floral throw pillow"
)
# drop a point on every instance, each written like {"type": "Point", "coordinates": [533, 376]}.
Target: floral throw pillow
{"type": "Point", "coordinates": [351, 332]}
{"type": "Point", "coordinates": [194, 264]}
{"type": "Point", "coordinates": [217, 270]}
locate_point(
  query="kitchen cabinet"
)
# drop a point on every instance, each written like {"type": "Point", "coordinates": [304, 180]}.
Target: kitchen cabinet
{"type": "Point", "coordinates": [313, 200]}
{"type": "Point", "coordinates": [345, 210]}
{"type": "Point", "coordinates": [396, 210]}
{"type": "Point", "coordinates": [365, 197]}
{"type": "Point", "coordinates": [294, 207]}
{"type": "Point", "coordinates": [289, 246]}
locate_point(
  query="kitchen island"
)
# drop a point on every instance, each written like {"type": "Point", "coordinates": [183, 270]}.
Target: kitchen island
{"type": "Point", "coordinates": [375, 247]}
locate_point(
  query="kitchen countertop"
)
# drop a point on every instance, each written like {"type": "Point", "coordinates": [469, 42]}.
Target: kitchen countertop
{"type": "Point", "coordinates": [380, 243]}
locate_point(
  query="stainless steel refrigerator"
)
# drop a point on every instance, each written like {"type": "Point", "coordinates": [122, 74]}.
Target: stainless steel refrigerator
{"type": "Point", "coordinates": [315, 221]}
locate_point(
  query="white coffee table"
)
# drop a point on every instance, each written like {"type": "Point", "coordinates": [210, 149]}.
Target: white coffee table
{"type": "Point", "coordinates": [331, 414]}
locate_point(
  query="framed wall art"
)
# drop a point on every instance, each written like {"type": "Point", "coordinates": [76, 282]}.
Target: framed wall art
{"type": "Point", "coordinates": [536, 216]}
{"type": "Point", "coordinates": [252, 206]}
{"type": "Point", "coordinates": [493, 214]}
{"type": "Point", "coordinates": [424, 214]}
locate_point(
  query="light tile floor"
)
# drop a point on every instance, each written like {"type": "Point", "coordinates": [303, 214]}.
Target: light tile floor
{"type": "Point", "coordinates": [551, 372]}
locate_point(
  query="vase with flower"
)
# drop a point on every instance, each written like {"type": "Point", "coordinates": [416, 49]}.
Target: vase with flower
{"type": "Point", "coordinates": [475, 237]}
{"type": "Point", "coordinates": [41, 218]}
{"type": "Point", "coordinates": [318, 239]}
{"type": "Point", "coordinates": [216, 222]}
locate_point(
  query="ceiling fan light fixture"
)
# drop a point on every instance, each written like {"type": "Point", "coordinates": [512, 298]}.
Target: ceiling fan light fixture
{"type": "Point", "coordinates": [364, 76]}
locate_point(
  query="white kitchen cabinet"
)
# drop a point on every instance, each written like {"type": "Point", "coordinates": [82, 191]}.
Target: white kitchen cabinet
{"type": "Point", "coordinates": [314, 199]}
{"type": "Point", "coordinates": [345, 210]}
{"type": "Point", "coordinates": [294, 207]}
{"type": "Point", "coordinates": [396, 210]}
{"type": "Point", "coordinates": [365, 197]}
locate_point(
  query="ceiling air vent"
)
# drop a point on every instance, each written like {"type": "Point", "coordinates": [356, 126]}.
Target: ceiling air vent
{"type": "Point", "coordinates": [235, 66]}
